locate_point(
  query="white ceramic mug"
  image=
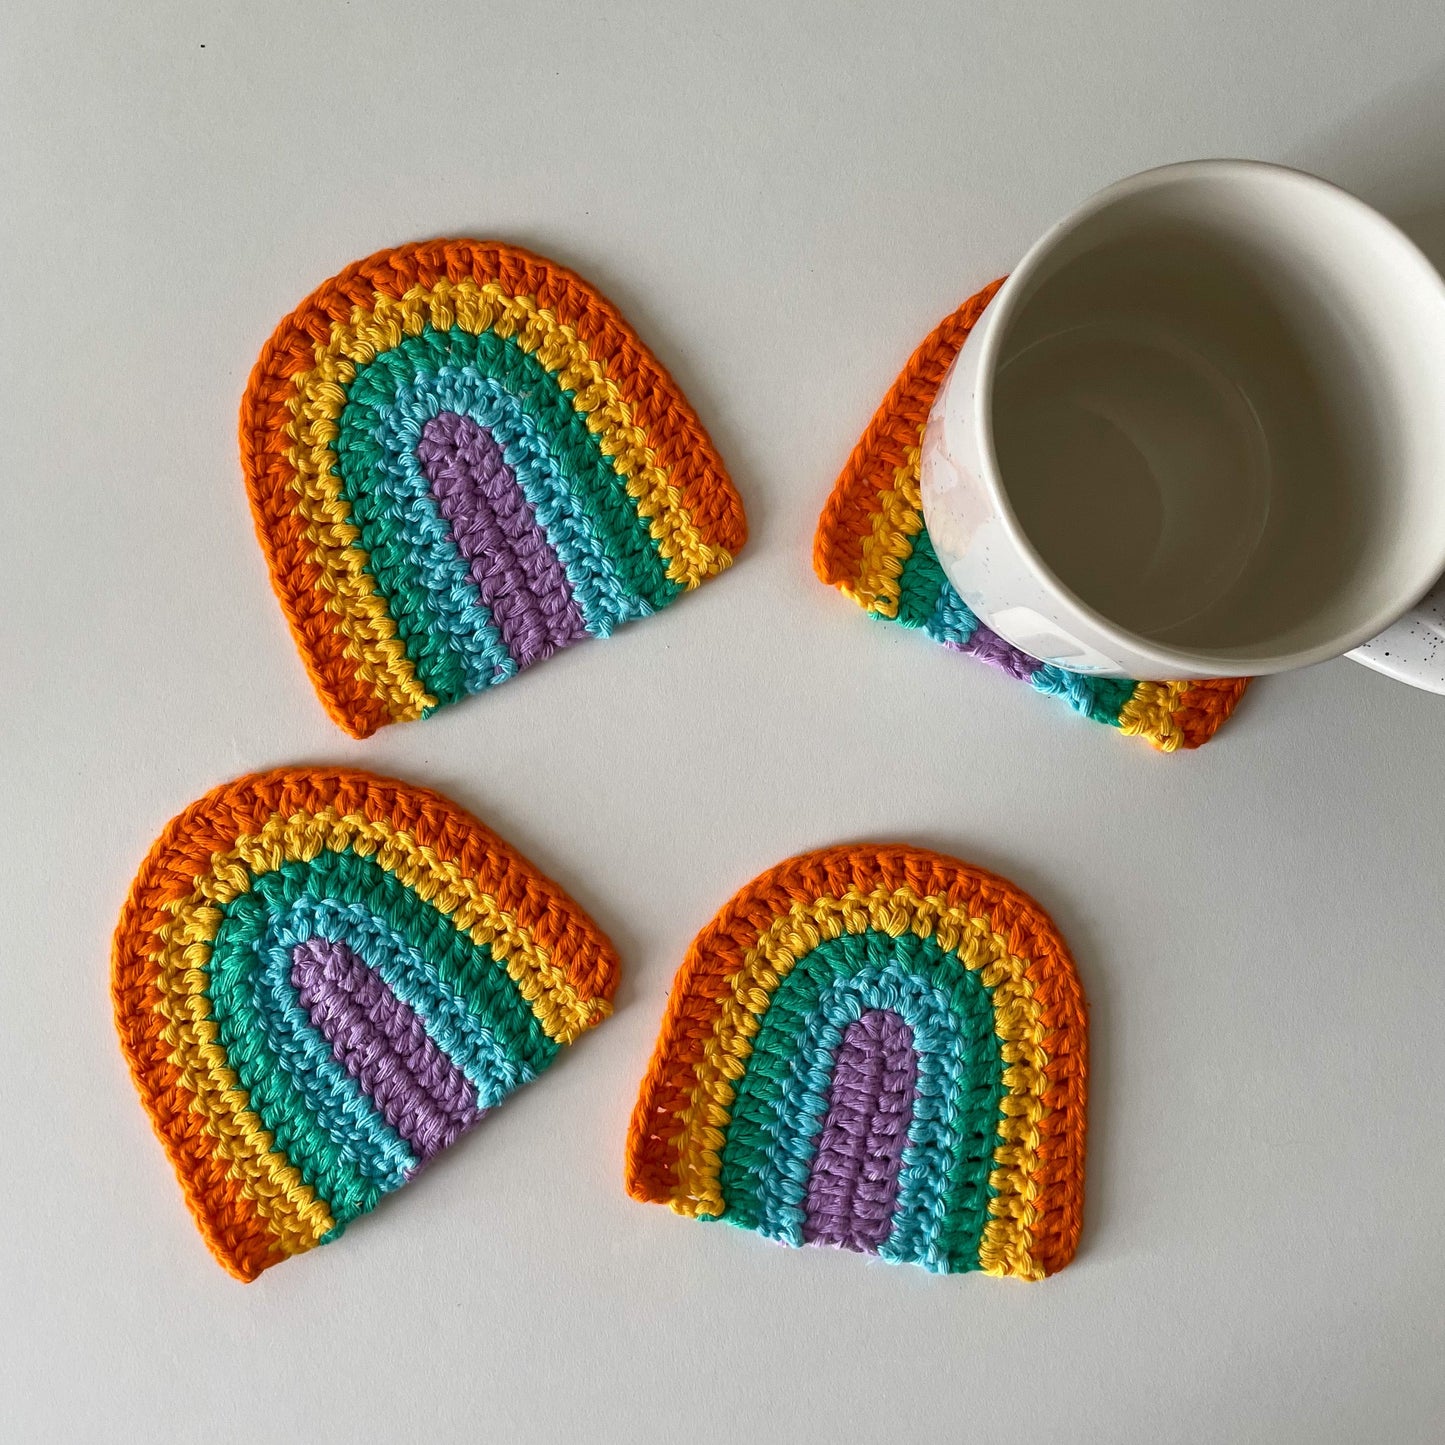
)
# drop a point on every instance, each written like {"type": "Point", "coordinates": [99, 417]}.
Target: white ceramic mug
{"type": "Point", "coordinates": [1200, 432]}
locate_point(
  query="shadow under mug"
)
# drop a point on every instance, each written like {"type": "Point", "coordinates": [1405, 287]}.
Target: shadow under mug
{"type": "Point", "coordinates": [1200, 432]}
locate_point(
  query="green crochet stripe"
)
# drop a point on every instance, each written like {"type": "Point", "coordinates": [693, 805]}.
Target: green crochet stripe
{"type": "Point", "coordinates": [347, 1153]}
{"type": "Point", "coordinates": [777, 1112]}
{"type": "Point", "coordinates": [927, 600]}
{"type": "Point", "coordinates": [467, 968]}
{"type": "Point", "coordinates": [921, 582]}
{"type": "Point", "coordinates": [597, 491]}
{"type": "Point", "coordinates": [448, 632]}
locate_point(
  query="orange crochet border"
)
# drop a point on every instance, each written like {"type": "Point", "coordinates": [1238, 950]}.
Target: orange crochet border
{"type": "Point", "coordinates": [673, 429]}
{"type": "Point", "coordinates": [883, 448]}
{"type": "Point", "coordinates": [232, 1229]}
{"type": "Point", "coordinates": [715, 957]}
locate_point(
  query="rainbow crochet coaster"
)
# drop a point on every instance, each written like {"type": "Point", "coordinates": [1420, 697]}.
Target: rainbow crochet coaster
{"type": "Point", "coordinates": [878, 1048]}
{"type": "Point", "coordinates": [460, 460]}
{"type": "Point", "coordinates": [322, 979]}
{"type": "Point", "coordinates": [872, 545]}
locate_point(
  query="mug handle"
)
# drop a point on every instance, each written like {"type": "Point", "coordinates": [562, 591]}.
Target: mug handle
{"type": "Point", "coordinates": [1413, 649]}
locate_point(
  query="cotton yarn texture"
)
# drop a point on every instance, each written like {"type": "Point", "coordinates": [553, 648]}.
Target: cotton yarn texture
{"type": "Point", "coordinates": [460, 460]}
{"type": "Point", "coordinates": [879, 1048]}
{"type": "Point", "coordinates": [872, 545]}
{"type": "Point", "coordinates": [322, 979]}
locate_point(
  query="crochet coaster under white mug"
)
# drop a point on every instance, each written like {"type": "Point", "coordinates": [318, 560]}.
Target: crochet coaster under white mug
{"type": "Point", "coordinates": [1197, 434]}
{"type": "Point", "coordinates": [1193, 434]}
{"type": "Point", "coordinates": [872, 545]}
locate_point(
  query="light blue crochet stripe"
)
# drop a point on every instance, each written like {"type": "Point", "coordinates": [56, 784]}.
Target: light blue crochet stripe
{"type": "Point", "coordinates": [401, 488]}
{"type": "Point", "coordinates": [311, 1074]}
{"type": "Point", "coordinates": [939, 1231]}
{"type": "Point", "coordinates": [552, 491]}
{"type": "Point", "coordinates": [799, 1116]}
{"type": "Point", "coordinates": [338, 1103]}
{"type": "Point", "coordinates": [448, 1020]}
{"type": "Point", "coordinates": [953, 621]}
{"type": "Point", "coordinates": [935, 1139]}
{"type": "Point", "coordinates": [1080, 691]}
{"type": "Point", "coordinates": [555, 493]}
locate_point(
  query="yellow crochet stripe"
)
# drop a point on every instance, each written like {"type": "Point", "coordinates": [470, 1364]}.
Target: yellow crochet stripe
{"type": "Point", "coordinates": [1150, 713]}
{"type": "Point", "coordinates": [559, 1008]}
{"type": "Point", "coordinates": [1006, 1248]}
{"type": "Point", "coordinates": [889, 544]}
{"type": "Point", "coordinates": [316, 405]}
{"type": "Point", "coordinates": [297, 1217]}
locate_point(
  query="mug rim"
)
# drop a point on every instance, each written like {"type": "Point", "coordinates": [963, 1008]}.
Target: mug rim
{"type": "Point", "coordinates": [1172, 661]}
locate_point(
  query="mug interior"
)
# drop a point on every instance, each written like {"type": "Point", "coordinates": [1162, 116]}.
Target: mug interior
{"type": "Point", "coordinates": [1216, 413]}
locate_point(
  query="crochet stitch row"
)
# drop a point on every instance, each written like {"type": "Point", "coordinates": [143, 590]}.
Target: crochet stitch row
{"type": "Point", "coordinates": [872, 545]}
{"type": "Point", "coordinates": [461, 459]}
{"type": "Point", "coordinates": [880, 1048]}
{"type": "Point", "coordinates": [322, 978]}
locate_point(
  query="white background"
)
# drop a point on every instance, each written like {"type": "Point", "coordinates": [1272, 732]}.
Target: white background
{"type": "Point", "coordinates": [783, 200]}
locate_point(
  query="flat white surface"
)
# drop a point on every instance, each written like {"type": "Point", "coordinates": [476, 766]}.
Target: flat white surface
{"type": "Point", "coordinates": [783, 199]}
